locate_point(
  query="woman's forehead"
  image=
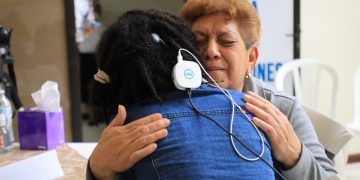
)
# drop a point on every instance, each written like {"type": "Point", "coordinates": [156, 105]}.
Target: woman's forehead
{"type": "Point", "coordinates": [217, 23]}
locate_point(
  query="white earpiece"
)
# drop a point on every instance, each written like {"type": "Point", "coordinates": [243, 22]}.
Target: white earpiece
{"type": "Point", "coordinates": [186, 74]}
{"type": "Point", "coordinates": [157, 38]}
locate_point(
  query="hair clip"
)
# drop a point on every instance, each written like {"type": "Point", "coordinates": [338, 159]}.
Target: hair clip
{"type": "Point", "coordinates": [102, 77]}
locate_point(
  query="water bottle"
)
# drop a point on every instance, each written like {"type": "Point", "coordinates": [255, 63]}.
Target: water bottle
{"type": "Point", "coordinates": [5, 143]}
{"type": "Point", "coordinates": [6, 110]}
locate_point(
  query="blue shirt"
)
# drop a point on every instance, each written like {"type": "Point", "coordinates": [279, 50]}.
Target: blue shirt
{"type": "Point", "coordinates": [197, 148]}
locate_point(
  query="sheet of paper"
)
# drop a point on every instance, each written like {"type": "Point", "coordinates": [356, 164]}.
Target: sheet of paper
{"type": "Point", "coordinates": [41, 167]}
{"type": "Point", "coordinates": [85, 149]}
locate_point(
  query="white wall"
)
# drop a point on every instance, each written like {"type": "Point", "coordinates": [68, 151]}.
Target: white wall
{"type": "Point", "coordinates": [113, 8]}
{"type": "Point", "coordinates": [331, 32]}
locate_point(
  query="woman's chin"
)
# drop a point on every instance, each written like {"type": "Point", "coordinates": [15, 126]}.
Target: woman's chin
{"type": "Point", "coordinates": [217, 76]}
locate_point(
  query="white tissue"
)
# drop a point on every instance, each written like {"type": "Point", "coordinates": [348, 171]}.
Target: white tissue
{"type": "Point", "coordinates": [48, 97]}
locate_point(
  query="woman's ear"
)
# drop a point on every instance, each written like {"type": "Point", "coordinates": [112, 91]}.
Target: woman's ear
{"type": "Point", "coordinates": [253, 57]}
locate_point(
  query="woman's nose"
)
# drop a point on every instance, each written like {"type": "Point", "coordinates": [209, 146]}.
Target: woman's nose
{"type": "Point", "coordinates": [212, 51]}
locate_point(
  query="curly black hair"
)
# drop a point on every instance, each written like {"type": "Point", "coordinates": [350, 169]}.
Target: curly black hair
{"type": "Point", "coordinates": [139, 67]}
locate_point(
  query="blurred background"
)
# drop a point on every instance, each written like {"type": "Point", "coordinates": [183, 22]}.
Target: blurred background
{"type": "Point", "coordinates": [55, 40]}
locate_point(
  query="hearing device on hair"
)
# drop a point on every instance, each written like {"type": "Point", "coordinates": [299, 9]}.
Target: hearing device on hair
{"type": "Point", "coordinates": [186, 74]}
{"type": "Point", "coordinates": [157, 38]}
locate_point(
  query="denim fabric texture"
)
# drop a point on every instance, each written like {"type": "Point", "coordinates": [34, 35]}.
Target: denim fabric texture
{"type": "Point", "coordinates": [195, 147]}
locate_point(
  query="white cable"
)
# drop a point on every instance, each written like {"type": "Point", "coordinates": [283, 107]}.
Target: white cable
{"type": "Point", "coordinates": [232, 138]}
{"type": "Point", "coordinates": [233, 103]}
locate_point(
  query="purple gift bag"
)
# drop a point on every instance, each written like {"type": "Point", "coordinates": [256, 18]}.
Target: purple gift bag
{"type": "Point", "coordinates": [39, 130]}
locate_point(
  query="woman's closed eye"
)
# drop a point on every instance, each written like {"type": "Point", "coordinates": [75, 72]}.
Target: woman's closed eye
{"type": "Point", "coordinates": [200, 41]}
{"type": "Point", "coordinates": [227, 43]}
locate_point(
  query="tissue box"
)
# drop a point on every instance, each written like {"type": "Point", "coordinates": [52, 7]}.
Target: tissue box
{"type": "Point", "coordinates": [39, 130]}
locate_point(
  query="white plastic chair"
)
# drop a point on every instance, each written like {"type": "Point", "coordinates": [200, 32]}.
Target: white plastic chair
{"type": "Point", "coordinates": [333, 136]}
{"type": "Point", "coordinates": [355, 124]}
{"type": "Point", "coordinates": [306, 77]}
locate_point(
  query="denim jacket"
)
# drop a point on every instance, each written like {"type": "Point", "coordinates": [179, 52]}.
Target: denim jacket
{"type": "Point", "coordinates": [313, 162]}
{"type": "Point", "coordinates": [197, 148]}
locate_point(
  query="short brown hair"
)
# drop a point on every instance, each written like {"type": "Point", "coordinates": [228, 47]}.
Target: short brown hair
{"type": "Point", "coordinates": [241, 10]}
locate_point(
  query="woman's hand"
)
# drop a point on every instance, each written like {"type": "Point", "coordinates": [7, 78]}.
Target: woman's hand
{"type": "Point", "coordinates": [285, 144]}
{"type": "Point", "coordinates": [121, 146]}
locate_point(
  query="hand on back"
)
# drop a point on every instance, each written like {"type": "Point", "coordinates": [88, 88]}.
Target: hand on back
{"type": "Point", "coordinates": [121, 146]}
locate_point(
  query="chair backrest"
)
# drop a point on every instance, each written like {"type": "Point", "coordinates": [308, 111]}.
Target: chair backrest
{"type": "Point", "coordinates": [306, 78]}
{"type": "Point", "coordinates": [355, 124]}
{"type": "Point", "coordinates": [332, 135]}
{"type": "Point", "coordinates": [357, 96]}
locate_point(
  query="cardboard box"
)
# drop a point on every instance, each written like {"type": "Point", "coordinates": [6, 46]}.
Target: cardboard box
{"type": "Point", "coordinates": [39, 130]}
